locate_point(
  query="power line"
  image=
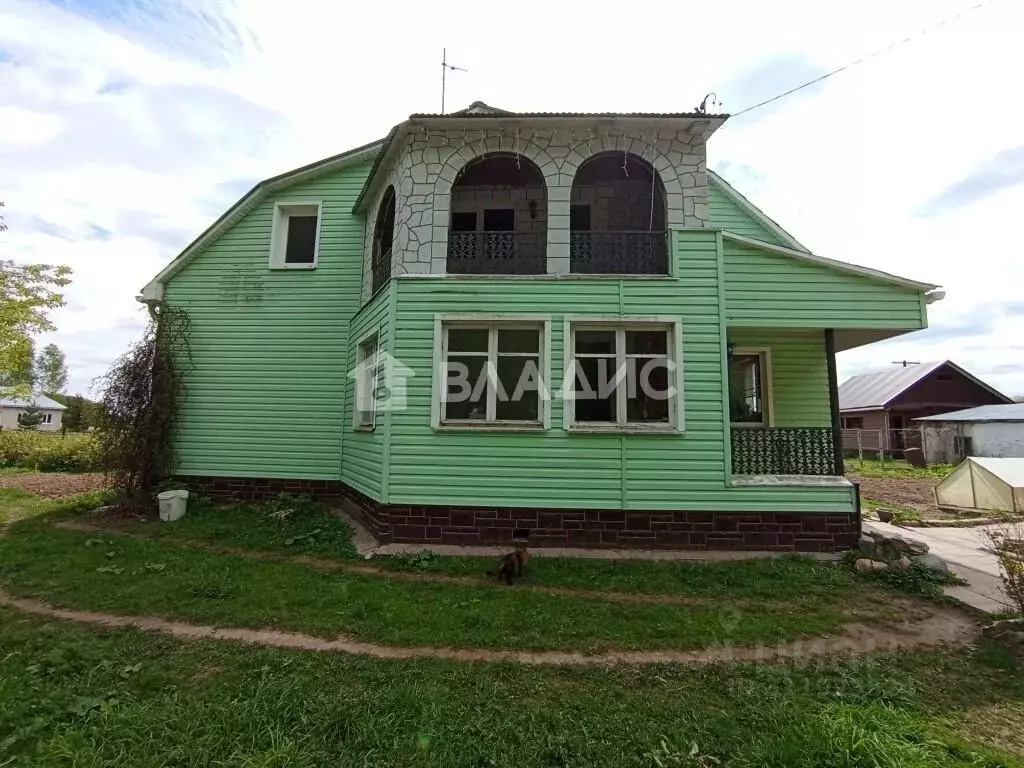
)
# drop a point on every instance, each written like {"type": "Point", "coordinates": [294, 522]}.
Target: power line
{"type": "Point", "coordinates": [879, 52]}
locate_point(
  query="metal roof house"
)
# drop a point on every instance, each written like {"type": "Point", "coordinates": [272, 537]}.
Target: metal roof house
{"type": "Point", "coordinates": [994, 431]}
{"type": "Point", "coordinates": [603, 343]}
{"type": "Point", "coordinates": [878, 409]}
{"type": "Point", "coordinates": [52, 412]}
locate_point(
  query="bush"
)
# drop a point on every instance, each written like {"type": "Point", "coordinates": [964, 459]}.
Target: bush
{"type": "Point", "coordinates": [48, 451]}
{"type": "Point", "coordinates": [1007, 542]}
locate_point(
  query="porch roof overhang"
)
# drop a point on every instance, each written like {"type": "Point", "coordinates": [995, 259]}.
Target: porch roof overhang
{"type": "Point", "coordinates": [480, 115]}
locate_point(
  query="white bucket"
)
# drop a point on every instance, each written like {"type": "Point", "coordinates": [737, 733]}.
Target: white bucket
{"type": "Point", "coordinates": [172, 504]}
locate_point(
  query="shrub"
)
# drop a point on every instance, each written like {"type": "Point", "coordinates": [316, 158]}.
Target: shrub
{"type": "Point", "coordinates": [1007, 542]}
{"type": "Point", "coordinates": [48, 451]}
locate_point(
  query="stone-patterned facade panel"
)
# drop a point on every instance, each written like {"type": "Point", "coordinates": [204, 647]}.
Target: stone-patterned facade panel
{"type": "Point", "coordinates": [425, 170]}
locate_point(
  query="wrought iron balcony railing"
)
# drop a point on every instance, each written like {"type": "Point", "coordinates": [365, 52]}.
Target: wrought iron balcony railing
{"type": "Point", "coordinates": [618, 253]}
{"type": "Point", "coordinates": [783, 451]}
{"type": "Point", "coordinates": [497, 253]}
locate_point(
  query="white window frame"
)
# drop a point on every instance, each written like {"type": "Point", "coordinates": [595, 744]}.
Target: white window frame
{"type": "Point", "coordinates": [768, 418]}
{"type": "Point", "coordinates": [279, 231]}
{"type": "Point", "coordinates": [47, 418]}
{"type": "Point", "coordinates": [621, 324]}
{"type": "Point", "coordinates": [541, 323]}
{"type": "Point", "coordinates": [361, 357]}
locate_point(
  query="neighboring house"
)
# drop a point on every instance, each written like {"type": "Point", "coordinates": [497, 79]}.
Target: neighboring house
{"type": "Point", "coordinates": [993, 431]}
{"type": "Point", "coordinates": [528, 245]}
{"type": "Point", "coordinates": [877, 409]}
{"type": "Point", "coordinates": [51, 410]}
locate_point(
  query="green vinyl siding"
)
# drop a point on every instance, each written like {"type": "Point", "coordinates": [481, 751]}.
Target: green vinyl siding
{"type": "Point", "coordinates": [770, 290]}
{"type": "Point", "coordinates": [266, 394]}
{"type": "Point", "coordinates": [556, 468]}
{"type": "Point", "coordinates": [799, 374]}
{"type": "Point", "coordinates": [363, 452]}
{"type": "Point", "coordinates": [729, 215]}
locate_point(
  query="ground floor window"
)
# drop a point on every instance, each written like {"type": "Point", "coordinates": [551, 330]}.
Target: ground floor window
{"type": "Point", "coordinates": [492, 373]}
{"type": "Point", "coordinates": [623, 375]}
{"type": "Point", "coordinates": [367, 377]}
{"type": "Point", "coordinates": [749, 401]}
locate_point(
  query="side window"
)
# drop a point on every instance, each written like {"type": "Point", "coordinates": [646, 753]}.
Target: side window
{"type": "Point", "coordinates": [367, 369]}
{"type": "Point", "coordinates": [295, 236]}
{"type": "Point", "coordinates": [748, 388]}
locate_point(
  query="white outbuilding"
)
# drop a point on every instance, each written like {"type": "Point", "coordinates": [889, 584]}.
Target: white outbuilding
{"type": "Point", "coordinates": [995, 431]}
{"type": "Point", "coordinates": [984, 484]}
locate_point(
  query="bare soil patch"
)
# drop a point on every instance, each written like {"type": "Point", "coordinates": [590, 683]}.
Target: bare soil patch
{"type": "Point", "coordinates": [912, 493]}
{"type": "Point", "coordinates": [54, 485]}
{"type": "Point", "coordinates": [943, 626]}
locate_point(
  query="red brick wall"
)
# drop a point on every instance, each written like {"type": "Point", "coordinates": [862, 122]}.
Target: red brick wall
{"type": "Point", "coordinates": [539, 527]}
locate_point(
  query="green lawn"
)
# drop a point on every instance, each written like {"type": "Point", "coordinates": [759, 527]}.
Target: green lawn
{"type": "Point", "coordinates": [896, 468]}
{"type": "Point", "coordinates": [71, 695]}
{"type": "Point", "coordinates": [899, 514]}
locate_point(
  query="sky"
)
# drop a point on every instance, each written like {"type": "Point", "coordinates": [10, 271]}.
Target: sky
{"type": "Point", "coordinates": [128, 126]}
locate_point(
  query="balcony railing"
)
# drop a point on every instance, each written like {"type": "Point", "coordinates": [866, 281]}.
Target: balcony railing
{"type": "Point", "coordinates": [618, 253]}
{"type": "Point", "coordinates": [783, 451]}
{"type": "Point", "coordinates": [497, 253]}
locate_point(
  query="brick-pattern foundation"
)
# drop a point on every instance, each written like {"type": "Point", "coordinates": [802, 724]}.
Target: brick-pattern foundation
{"type": "Point", "coordinates": [540, 527]}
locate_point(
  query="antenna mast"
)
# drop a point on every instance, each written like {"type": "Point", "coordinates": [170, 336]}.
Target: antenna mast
{"type": "Point", "coordinates": [445, 66]}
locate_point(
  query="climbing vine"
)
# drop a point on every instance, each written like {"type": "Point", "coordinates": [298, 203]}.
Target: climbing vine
{"type": "Point", "coordinates": [142, 396]}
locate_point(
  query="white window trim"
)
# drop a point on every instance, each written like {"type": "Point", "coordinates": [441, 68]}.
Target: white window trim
{"type": "Point", "coordinates": [357, 425]}
{"type": "Point", "coordinates": [769, 402]}
{"type": "Point", "coordinates": [543, 325]}
{"type": "Point", "coordinates": [676, 411]}
{"type": "Point", "coordinates": [279, 233]}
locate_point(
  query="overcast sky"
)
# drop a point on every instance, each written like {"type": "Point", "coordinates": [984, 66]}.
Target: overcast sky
{"type": "Point", "coordinates": [127, 126]}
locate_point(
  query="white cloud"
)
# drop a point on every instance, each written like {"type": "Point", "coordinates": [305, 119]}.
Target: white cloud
{"type": "Point", "coordinates": [145, 119]}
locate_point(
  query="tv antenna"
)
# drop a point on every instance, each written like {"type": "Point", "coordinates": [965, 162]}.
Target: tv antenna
{"type": "Point", "coordinates": [906, 363]}
{"type": "Point", "coordinates": [445, 66]}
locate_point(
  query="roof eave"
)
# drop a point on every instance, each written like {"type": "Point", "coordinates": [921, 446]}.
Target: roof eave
{"type": "Point", "coordinates": [154, 289]}
{"type": "Point", "coordinates": [834, 263]}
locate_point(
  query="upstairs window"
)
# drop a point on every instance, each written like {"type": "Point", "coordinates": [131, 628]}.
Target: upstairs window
{"type": "Point", "coordinates": [295, 235]}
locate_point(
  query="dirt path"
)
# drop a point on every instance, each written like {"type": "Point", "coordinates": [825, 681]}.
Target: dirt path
{"type": "Point", "coordinates": [53, 485]}
{"type": "Point", "coordinates": [329, 564]}
{"type": "Point", "coordinates": [943, 627]}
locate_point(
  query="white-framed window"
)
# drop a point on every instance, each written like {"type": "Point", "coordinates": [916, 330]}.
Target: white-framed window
{"type": "Point", "coordinates": [750, 393]}
{"type": "Point", "coordinates": [492, 372]}
{"type": "Point", "coordinates": [367, 380]}
{"type": "Point", "coordinates": [47, 418]}
{"type": "Point", "coordinates": [624, 374]}
{"type": "Point", "coordinates": [295, 235]}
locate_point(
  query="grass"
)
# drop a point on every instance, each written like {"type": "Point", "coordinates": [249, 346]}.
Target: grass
{"type": "Point", "coordinates": [16, 505]}
{"type": "Point", "coordinates": [899, 514]}
{"type": "Point", "coordinates": [896, 468]}
{"type": "Point", "coordinates": [74, 695]}
{"type": "Point", "coordinates": [126, 575]}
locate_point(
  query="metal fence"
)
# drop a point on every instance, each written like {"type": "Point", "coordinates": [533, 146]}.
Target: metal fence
{"type": "Point", "coordinates": [938, 445]}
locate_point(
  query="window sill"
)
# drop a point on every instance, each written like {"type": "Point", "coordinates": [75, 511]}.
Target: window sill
{"type": "Point", "coordinates": [364, 428]}
{"type": "Point", "coordinates": [749, 425]}
{"type": "Point", "coordinates": [546, 276]}
{"type": "Point", "coordinates": [806, 481]}
{"type": "Point", "coordinates": [292, 266]}
{"type": "Point", "coordinates": [627, 429]}
{"type": "Point", "coordinates": [493, 426]}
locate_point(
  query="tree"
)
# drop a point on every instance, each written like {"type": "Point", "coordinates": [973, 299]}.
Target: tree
{"type": "Point", "coordinates": [20, 376]}
{"type": "Point", "coordinates": [51, 369]}
{"type": "Point", "coordinates": [27, 293]}
{"type": "Point", "coordinates": [31, 418]}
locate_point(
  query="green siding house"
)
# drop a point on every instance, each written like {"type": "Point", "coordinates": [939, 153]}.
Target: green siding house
{"type": "Point", "coordinates": [555, 328]}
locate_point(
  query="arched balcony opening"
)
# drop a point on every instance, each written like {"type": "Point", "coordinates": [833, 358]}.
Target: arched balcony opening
{"type": "Point", "coordinates": [499, 214]}
{"type": "Point", "coordinates": [617, 217]}
{"type": "Point", "coordinates": [383, 240]}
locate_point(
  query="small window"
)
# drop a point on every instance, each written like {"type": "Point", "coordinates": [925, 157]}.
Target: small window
{"type": "Point", "coordinates": [491, 374]}
{"type": "Point", "coordinates": [295, 236]}
{"type": "Point", "coordinates": [367, 379]}
{"type": "Point", "coordinates": [748, 388]}
{"type": "Point", "coordinates": [500, 220]}
{"type": "Point", "coordinates": [624, 376]}
{"type": "Point", "coordinates": [464, 221]}
{"type": "Point", "coordinates": [47, 418]}
{"type": "Point", "coordinates": [853, 422]}
{"type": "Point", "coordinates": [579, 218]}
